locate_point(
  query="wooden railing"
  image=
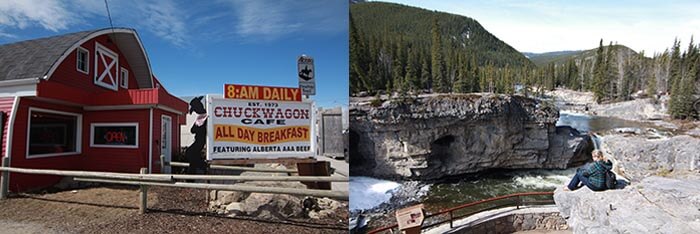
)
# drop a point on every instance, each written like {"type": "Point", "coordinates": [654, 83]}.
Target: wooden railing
{"type": "Point", "coordinates": [507, 200]}
{"type": "Point", "coordinates": [144, 180]}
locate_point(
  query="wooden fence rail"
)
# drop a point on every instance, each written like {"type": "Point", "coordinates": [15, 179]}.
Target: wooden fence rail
{"type": "Point", "coordinates": [171, 177]}
{"type": "Point", "coordinates": [339, 195]}
{"type": "Point", "coordinates": [94, 174]}
{"type": "Point", "coordinates": [237, 168]}
{"type": "Point", "coordinates": [167, 180]}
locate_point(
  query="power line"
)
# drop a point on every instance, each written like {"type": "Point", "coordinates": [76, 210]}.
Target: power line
{"type": "Point", "coordinates": [109, 16]}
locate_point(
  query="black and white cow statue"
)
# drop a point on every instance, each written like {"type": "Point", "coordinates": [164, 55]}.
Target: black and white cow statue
{"type": "Point", "coordinates": [199, 129]}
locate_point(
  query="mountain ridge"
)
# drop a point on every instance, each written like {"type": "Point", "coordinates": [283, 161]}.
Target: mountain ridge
{"type": "Point", "coordinates": [413, 24]}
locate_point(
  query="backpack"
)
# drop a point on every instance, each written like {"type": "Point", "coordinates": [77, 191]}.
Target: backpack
{"type": "Point", "coordinates": [610, 180]}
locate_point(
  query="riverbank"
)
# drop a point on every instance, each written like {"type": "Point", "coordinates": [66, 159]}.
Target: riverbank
{"type": "Point", "coordinates": [643, 109]}
{"type": "Point", "coordinates": [663, 196]}
{"type": "Point", "coordinates": [453, 192]}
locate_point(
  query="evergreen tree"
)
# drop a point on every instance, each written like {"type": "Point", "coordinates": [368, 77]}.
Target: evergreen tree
{"type": "Point", "coordinates": [439, 82]}
{"type": "Point", "coordinates": [412, 80]}
{"type": "Point", "coordinates": [474, 74]}
{"type": "Point", "coordinates": [675, 67]}
{"type": "Point", "coordinates": [681, 103]}
{"type": "Point", "coordinates": [611, 73]}
{"type": "Point", "coordinates": [508, 83]}
{"type": "Point", "coordinates": [398, 67]}
{"type": "Point", "coordinates": [651, 84]}
{"type": "Point", "coordinates": [358, 80]}
{"type": "Point", "coordinates": [461, 84]}
{"type": "Point", "coordinates": [625, 85]}
{"type": "Point", "coordinates": [425, 76]}
{"type": "Point", "coordinates": [599, 73]}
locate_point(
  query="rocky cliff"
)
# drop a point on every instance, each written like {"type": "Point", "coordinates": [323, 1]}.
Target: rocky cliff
{"type": "Point", "coordinates": [653, 205]}
{"type": "Point", "coordinates": [664, 196]}
{"type": "Point", "coordinates": [642, 157]}
{"type": "Point", "coordinates": [443, 135]}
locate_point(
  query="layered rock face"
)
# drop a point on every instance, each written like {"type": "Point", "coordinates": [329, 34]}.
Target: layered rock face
{"type": "Point", "coordinates": [642, 158]}
{"type": "Point", "coordinates": [443, 135]}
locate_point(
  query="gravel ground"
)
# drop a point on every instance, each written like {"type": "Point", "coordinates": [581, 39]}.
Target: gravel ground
{"type": "Point", "coordinates": [115, 209]}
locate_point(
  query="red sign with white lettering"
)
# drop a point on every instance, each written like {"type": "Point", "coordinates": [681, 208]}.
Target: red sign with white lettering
{"type": "Point", "coordinates": [269, 93]}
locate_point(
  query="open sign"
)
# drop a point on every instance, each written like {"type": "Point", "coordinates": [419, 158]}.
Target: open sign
{"type": "Point", "coordinates": [115, 135]}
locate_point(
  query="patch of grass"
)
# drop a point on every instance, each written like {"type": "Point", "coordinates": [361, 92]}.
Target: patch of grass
{"type": "Point", "coordinates": [663, 172]}
{"type": "Point", "coordinates": [376, 102]}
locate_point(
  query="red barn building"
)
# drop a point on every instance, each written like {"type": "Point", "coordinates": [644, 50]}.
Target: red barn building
{"type": "Point", "coordinates": [84, 101]}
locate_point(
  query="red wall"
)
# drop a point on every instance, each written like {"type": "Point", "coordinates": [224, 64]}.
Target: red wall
{"type": "Point", "coordinates": [69, 85]}
{"type": "Point", "coordinates": [116, 159]}
{"type": "Point", "coordinates": [68, 74]}
{"type": "Point", "coordinates": [20, 182]}
{"type": "Point", "coordinates": [90, 158]}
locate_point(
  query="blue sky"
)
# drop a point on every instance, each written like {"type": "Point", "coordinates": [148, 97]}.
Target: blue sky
{"type": "Point", "coordinates": [197, 46]}
{"type": "Point", "coordinates": [542, 26]}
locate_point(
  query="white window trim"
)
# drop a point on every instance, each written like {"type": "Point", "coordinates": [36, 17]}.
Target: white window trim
{"type": "Point", "coordinates": [78, 133]}
{"type": "Point", "coordinates": [100, 48]}
{"type": "Point", "coordinates": [87, 60]}
{"type": "Point", "coordinates": [92, 135]}
{"type": "Point", "coordinates": [171, 132]}
{"type": "Point", "coordinates": [124, 80]}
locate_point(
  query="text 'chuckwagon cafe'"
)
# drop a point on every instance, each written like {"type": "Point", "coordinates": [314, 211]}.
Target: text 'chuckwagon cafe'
{"type": "Point", "coordinates": [84, 101]}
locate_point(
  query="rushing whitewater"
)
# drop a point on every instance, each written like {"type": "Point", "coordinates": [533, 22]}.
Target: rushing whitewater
{"type": "Point", "coordinates": [367, 193]}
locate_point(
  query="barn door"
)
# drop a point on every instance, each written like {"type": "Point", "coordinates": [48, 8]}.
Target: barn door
{"type": "Point", "coordinates": [166, 135]}
{"type": "Point", "coordinates": [106, 67]}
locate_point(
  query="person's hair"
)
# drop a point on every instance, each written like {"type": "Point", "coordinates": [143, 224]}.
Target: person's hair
{"type": "Point", "coordinates": [599, 154]}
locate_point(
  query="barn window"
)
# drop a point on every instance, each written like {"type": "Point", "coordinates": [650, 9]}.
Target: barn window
{"type": "Point", "coordinates": [83, 60]}
{"type": "Point", "coordinates": [124, 78]}
{"type": "Point", "coordinates": [52, 133]}
{"type": "Point", "coordinates": [114, 135]}
{"type": "Point", "coordinates": [106, 67]}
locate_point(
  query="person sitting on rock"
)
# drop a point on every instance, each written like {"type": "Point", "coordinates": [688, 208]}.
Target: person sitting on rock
{"type": "Point", "coordinates": [592, 175]}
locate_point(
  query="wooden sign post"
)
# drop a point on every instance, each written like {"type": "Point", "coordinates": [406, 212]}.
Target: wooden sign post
{"type": "Point", "coordinates": [410, 219]}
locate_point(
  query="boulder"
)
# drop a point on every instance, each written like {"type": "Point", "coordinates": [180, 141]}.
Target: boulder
{"type": "Point", "coordinates": [642, 157]}
{"type": "Point", "coordinates": [269, 206]}
{"type": "Point", "coordinates": [434, 136]}
{"type": "Point", "coordinates": [653, 205]}
{"type": "Point", "coordinates": [326, 207]}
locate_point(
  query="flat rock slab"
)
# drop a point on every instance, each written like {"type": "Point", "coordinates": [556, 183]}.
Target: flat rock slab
{"type": "Point", "coordinates": [655, 205]}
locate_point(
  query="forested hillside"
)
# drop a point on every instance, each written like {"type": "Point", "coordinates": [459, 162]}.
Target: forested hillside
{"type": "Point", "coordinates": [397, 48]}
{"type": "Point", "coordinates": [617, 73]}
{"type": "Point", "coordinates": [401, 48]}
{"type": "Point", "coordinates": [548, 57]}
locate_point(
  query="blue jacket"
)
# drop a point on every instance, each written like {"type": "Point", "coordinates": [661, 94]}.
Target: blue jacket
{"type": "Point", "coordinates": [595, 172]}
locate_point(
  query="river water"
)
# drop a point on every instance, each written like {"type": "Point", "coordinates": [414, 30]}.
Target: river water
{"type": "Point", "coordinates": [367, 193]}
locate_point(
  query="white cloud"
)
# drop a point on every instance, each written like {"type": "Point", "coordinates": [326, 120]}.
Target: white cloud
{"type": "Point", "coordinates": [542, 26]}
{"type": "Point", "coordinates": [266, 19]}
{"type": "Point", "coordinates": [51, 15]}
{"type": "Point", "coordinates": [269, 20]}
{"type": "Point", "coordinates": [7, 35]}
{"type": "Point", "coordinates": [163, 18]}
{"type": "Point", "coordinates": [177, 22]}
